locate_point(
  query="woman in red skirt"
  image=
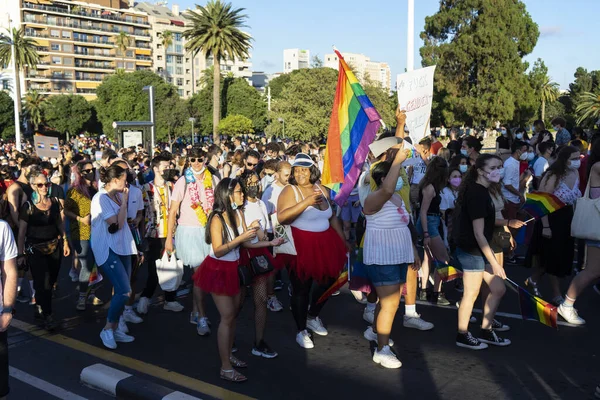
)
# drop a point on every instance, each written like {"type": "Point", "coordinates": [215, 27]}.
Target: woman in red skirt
{"type": "Point", "coordinates": [319, 241]}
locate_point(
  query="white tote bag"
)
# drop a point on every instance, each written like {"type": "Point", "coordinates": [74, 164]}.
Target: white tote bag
{"type": "Point", "coordinates": [285, 232]}
{"type": "Point", "coordinates": [170, 272]}
{"type": "Point", "coordinates": [586, 220]}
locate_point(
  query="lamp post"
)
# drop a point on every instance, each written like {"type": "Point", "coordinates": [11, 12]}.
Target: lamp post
{"type": "Point", "coordinates": [410, 37]}
{"type": "Point", "coordinates": [283, 122]}
{"type": "Point", "coordinates": [150, 90]}
{"type": "Point", "coordinates": [192, 120]}
{"type": "Point", "coordinates": [13, 58]}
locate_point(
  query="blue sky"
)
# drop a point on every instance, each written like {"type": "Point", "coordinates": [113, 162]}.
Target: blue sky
{"type": "Point", "coordinates": [377, 28]}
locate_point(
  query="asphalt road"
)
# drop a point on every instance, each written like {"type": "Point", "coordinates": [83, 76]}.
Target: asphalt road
{"type": "Point", "coordinates": [541, 363]}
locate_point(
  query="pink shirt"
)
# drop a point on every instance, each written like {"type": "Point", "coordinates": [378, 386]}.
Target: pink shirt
{"type": "Point", "coordinates": [187, 216]}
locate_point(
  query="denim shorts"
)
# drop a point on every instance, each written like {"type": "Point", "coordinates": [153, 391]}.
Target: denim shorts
{"type": "Point", "coordinates": [433, 225]}
{"type": "Point", "coordinates": [386, 275]}
{"type": "Point", "coordinates": [469, 262]}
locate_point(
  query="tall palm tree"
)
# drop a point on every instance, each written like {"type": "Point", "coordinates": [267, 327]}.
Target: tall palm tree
{"type": "Point", "coordinates": [33, 104]}
{"type": "Point", "coordinates": [588, 107]}
{"type": "Point", "coordinates": [548, 92]}
{"type": "Point", "coordinates": [26, 56]}
{"type": "Point", "coordinates": [122, 43]}
{"type": "Point", "coordinates": [166, 41]}
{"type": "Point", "coordinates": [216, 32]}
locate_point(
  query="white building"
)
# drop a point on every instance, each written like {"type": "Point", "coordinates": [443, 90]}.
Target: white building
{"type": "Point", "coordinates": [363, 67]}
{"type": "Point", "coordinates": [294, 59]}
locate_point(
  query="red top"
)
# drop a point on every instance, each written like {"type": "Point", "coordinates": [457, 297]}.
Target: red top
{"type": "Point", "coordinates": [583, 178]}
{"type": "Point", "coordinates": [435, 147]}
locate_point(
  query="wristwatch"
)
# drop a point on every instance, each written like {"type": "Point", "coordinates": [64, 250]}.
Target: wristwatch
{"type": "Point", "coordinates": [8, 310]}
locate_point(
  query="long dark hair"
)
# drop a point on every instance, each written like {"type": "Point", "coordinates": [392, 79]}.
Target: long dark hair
{"type": "Point", "coordinates": [79, 183]}
{"type": "Point", "coordinates": [470, 178]}
{"type": "Point", "coordinates": [594, 153]}
{"type": "Point", "coordinates": [222, 205]}
{"type": "Point", "coordinates": [559, 167]}
{"type": "Point", "coordinates": [436, 174]}
{"type": "Point", "coordinates": [245, 180]}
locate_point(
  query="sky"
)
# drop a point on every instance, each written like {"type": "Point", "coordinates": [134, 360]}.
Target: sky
{"type": "Point", "coordinates": [377, 28]}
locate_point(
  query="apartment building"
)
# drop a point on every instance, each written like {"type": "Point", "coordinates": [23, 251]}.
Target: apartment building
{"type": "Point", "coordinates": [363, 67]}
{"type": "Point", "coordinates": [294, 59]}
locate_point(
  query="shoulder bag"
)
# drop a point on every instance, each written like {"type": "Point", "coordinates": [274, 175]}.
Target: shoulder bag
{"type": "Point", "coordinates": [285, 232]}
{"type": "Point", "coordinates": [587, 217]}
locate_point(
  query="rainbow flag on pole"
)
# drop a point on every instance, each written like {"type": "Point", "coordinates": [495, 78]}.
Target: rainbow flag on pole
{"type": "Point", "coordinates": [539, 204]}
{"type": "Point", "coordinates": [352, 128]}
{"type": "Point", "coordinates": [534, 308]}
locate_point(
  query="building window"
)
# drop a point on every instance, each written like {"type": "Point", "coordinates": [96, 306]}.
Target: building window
{"type": "Point", "coordinates": [179, 81]}
{"type": "Point", "coordinates": [5, 84]}
{"type": "Point", "coordinates": [67, 48]}
{"type": "Point", "coordinates": [180, 92]}
{"type": "Point", "coordinates": [130, 65]}
{"type": "Point", "coordinates": [159, 58]}
{"type": "Point", "coordinates": [170, 70]}
{"type": "Point", "coordinates": [169, 59]}
{"type": "Point", "coordinates": [179, 71]}
{"type": "Point", "coordinates": [55, 47]}
{"type": "Point", "coordinates": [54, 33]}
{"type": "Point", "coordinates": [66, 34]}
{"type": "Point", "coordinates": [179, 60]}
{"type": "Point", "coordinates": [67, 61]}
{"type": "Point", "coordinates": [187, 60]}
{"type": "Point", "coordinates": [178, 48]}
{"type": "Point", "coordinates": [55, 60]}
{"type": "Point", "coordinates": [178, 37]}
{"type": "Point", "coordinates": [129, 53]}
{"type": "Point", "coordinates": [170, 80]}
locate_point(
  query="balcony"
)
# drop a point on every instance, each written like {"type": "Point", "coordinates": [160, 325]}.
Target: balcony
{"type": "Point", "coordinates": [88, 78]}
{"type": "Point", "coordinates": [28, 18]}
{"type": "Point", "coordinates": [92, 65]}
{"type": "Point", "coordinates": [142, 57]}
{"type": "Point", "coordinates": [105, 42]}
{"type": "Point", "coordinates": [34, 33]}
{"type": "Point", "coordinates": [82, 13]}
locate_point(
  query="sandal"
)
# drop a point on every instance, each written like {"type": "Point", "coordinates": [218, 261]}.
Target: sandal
{"type": "Point", "coordinates": [236, 362]}
{"type": "Point", "coordinates": [232, 375]}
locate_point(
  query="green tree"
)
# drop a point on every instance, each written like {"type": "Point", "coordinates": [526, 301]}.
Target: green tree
{"type": "Point", "coordinates": [201, 104]}
{"type": "Point", "coordinates": [546, 91]}
{"type": "Point", "coordinates": [278, 83]}
{"type": "Point", "coordinates": [120, 98]}
{"type": "Point", "coordinates": [122, 43]}
{"type": "Point", "coordinates": [26, 56]}
{"type": "Point", "coordinates": [478, 47]}
{"type": "Point", "coordinates": [235, 125]}
{"type": "Point", "coordinates": [588, 108]}
{"type": "Point", "coordinates": [316, 62]}
{"type": "Point", "coordinates": [216, 32]}
{"type": "Point", "coordinates": [166, 41]}
{"type": "Point", "coordinates": [67, 113]}
{"type": "Point", "coordinates": [33, 105]}
{"type": "Point", "coordinates": [7, 116]}
{"type": "Point", "coordinates": [173, 119]}
{"type": "Point", "coordinates": [243, 99]}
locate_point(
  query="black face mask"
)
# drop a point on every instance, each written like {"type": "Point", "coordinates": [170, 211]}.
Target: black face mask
{"type": "Point", "coordinates": [89, 176]}
{"type": "Point", "coordinates": [252, 191]}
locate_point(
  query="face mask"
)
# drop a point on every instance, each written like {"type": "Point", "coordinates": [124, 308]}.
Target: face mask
{"type": "Point", "coordinates": [463, 152]}
{"type": "Point", "coordinates": [519, 136]}
{"type": "Point", "coordinates": [557, 128]}
{"type": "Point", "coordinates": [503, 131]}
{"type": "Point", "coordinates": [455, 181]}
{"type": "Point", "coordinates": [73, 176]}
{"type": "Point", "coordinates": [89, 176]}
{"type": "Point", "coordinates": [575, 164]}
{"type": "Point", "coordinates": [399, 184]}
{"type": "Point", "coordinates": [494, 176]}
{"type": "Point", "coordinates": [222, 159]}
{"type": "Point", "coordinates": [530, 156]}
{"type": "Point", "coordinates": [523, 156]}
{"type": "Point", "coordinates": [252, 191]}
{"type": "Point", "coordinates": [463, 168]}
{"type": "Point", "coordinates": [269, 179]}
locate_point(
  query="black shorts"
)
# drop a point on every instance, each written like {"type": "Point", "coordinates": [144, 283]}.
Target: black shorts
{"type": "Point", "coordinates": [4, 389]}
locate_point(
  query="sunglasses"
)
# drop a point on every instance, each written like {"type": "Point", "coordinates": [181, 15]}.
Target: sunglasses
{"type": "Point", "coordinates": [251, 165]}
{"type": "Point", "coordinates": [194, 159]}
{"type": "Point", "coordinates": [86, 171]}
{"type": "Point", "coordinates": [41, 185]}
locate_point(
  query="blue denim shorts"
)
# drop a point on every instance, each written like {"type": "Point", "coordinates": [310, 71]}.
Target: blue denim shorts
{"type": "Point", "coordinates": [433, 226]}
{"type": "Point", "coordinates": [469, 262]}
{"type": "Point", "coordinates": [386, 275]}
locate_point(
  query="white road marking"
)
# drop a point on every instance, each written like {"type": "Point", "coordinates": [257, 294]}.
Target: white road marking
{"type": "Point", "coordinates": [43, 385]}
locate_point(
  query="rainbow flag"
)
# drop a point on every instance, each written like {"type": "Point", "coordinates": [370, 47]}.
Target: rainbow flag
{"type": "Point", "coordinates": [352, 128]}
{"type": "Point", "coordinates": [534, 308]}
{"type": "Point", "coordinates": [448, 273]}
{"type": "Point", "coordinates": [539, 204]}
{"type": "Point", "coordinates": [341, 281]}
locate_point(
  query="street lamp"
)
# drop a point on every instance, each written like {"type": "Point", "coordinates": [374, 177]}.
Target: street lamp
{"type": "Point", "coordinates": [150, 90]}
{"type": "Point", "coordinates": [192, 120]}
{"type": "Point", "coordinates": [13, 58]}
{"type": "Point", "coordinates": [283, 122]}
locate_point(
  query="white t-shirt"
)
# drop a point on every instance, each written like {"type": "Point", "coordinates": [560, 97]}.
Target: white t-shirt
{"type": "Point", "coordinates": [418, 172]}
{"type": "Point", "coordinates": [135, 202]}
{"type": "Point", "coordinates": [269, 198]}
{"type": "Point", "coordinates": [8, 251]}
{"type": "Point", "coordinates": [540, 166]}
{"type": "Point", "coordinates": [256, 211]}
{"type": "Point", "coordinates": [511, 177]}
{"type": "Point", "coordinates": [120, 242]}
{"type": "Point", "coordinates": [448, 199]}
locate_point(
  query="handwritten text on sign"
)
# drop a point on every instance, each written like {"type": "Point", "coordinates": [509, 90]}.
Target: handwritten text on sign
{"type": "Point", "coordinates": [415, 91]}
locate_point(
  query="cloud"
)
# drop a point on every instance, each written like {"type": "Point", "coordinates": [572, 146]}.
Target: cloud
{"type": "Point", "coordinates": [267, 65]}
{"type": "Point", "coordinates": [550, 30]}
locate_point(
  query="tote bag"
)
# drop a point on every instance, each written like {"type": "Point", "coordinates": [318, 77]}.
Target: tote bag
{"type": "Point", "coordinates": [170, 272]}
{"type": "Point", "coordinates": [586, 219]}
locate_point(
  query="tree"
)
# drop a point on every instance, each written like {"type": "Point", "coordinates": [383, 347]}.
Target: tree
{"type": "Point", "coordinates": [478, 47]}
{"type": "Point", "coordinates": [278, 83]}
{"type": "Point", "coordinates": [120, 97]}
{"type": "Point", "coordinates": [243, 99]}
{"type": "Point", "coordinates": [173, 120]}
{"type": "Point", "coordinates": [33, 105]}
{"type": "Point", "coordinates": [216, 32]}
{"type": "Point", "coordinates": [26, 56]}
{"type": "Point", "coordinates": [7, 116]}
{"type": "Point", "coordinates": [316, 62]}
{"type": "Point", "coordinates": [166, 41]}
{"type": "Point", "coordinates": [67, 113]}
{"type": "Point", "coordinates": [235, 125]}
{"type": "Point", "coordinates": [122, 43]}
{"type": "Point", "coordinates": [588, 108]}
{"type": "Point", "coordinates": [546, 91]}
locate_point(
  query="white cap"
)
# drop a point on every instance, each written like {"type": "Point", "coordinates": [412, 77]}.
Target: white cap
{"type": "Point", "coordinates": [53, 161]}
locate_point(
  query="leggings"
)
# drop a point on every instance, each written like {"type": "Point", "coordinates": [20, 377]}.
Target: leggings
{"type": "Point", "coordinates": [83, 252]}
{"type": "Point", "coordinates": [155, 250]}
{"type": "Point", "coordinates": [44, 269]}
{"type": "Point", "coordinates": [300, 299]}
{"type": "Point", "coordinates": [117, 269]}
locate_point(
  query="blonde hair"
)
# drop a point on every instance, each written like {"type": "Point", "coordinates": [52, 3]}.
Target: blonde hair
{"type": "Point", "coordinates": [444, 153]}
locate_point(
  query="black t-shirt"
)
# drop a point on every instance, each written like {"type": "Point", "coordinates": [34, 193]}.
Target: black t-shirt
{"type": "Point", "coordinates": [477, 204]}
{"type": "Point", "coordinates": [454, 146]}
{"type": "Point", "coordinates": [503, 142]}
{"type": "Point", "coordinates": [57, 191]}
{"type": "Point", "coordinates": [42, 226]}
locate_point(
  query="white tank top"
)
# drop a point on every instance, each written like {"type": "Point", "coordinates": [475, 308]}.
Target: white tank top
{"type": "Point", "coordinates": [312, 219]}
{"type": "Point", "coordinates": [233, 254]}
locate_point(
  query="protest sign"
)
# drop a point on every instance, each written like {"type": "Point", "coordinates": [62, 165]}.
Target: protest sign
{"type": "Point", "coordinates": [46, 146]}
{"type": "Point", "coordinates": [415, 91]}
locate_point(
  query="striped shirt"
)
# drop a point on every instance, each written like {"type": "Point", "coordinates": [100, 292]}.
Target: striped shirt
{"type": "Point", "coordinates": [120, 242]}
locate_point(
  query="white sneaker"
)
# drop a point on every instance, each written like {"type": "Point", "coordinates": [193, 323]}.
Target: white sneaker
{"type": "Point", "coordinates": [359, 296]}
{"type": "Point", "coordinates": [316, 325]}
{"type": "Point", "coordinates": [274, 304]}
{"type": "Point", "coordinates": [122, 326]}
{"type": "Point", "coordinates": [130, 316]}
{"type": "Point", "coordinates": [142, 306]}
{"type": "Point", "coordinates": [123, 337]}
{"type": "Point", "coordinates": [372, 337]}
{"type": "Point", "coordinates": [202, 328]}
{"type": "Point", "coordinates": [417, 323]}
{"type": "Point", "coordinates": [172, 306]}
{"type": "Point", "coordinates": [108, 338]}
{"type": "Point", "coordinates": [303, 339]}
{"type": "Point", "coordinates": [369, 315]}
{"type": "Point", "coordinates": [569, 313]}
{"type": "Point", "coordinates": [386, 358]}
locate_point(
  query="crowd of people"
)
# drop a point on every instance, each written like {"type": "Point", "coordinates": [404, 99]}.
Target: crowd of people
{"type": "Point", "coordinates": [253, 215]}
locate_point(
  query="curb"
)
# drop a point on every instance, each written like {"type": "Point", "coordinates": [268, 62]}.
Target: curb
{"type": "Point", "coordinates": [122, 385]}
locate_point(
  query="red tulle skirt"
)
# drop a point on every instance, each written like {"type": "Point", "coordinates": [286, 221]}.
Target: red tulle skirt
{"type": "Point", "coordinates": [320, 255]}
{"type": "Point", "coordinates": [218, 277]}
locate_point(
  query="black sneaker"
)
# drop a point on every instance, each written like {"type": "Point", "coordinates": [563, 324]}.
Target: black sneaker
{"type": "Point", "coordinates": [441, 299]}
{"type": "Point", "coordinates": [490, 337]}
{"type": "Point", "coordinates": [423, 295]}
{"type": "Point", "coordinates": [263, 350]}
{"type": "Point", "coordinates": [499, 326]}
{"type": "Point", "coordinates": [468, 341]}
{"type": "Point", "coordinates": [278, 285]}
{"type": "Point", "coordinates": [49, 323]}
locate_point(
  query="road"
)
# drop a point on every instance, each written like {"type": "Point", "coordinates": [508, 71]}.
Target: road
{"type": "Point", "coordinates": [542, 363]}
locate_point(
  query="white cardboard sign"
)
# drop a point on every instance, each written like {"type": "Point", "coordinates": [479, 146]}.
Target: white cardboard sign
{"type": "Point", "coordinates": [415, 92]}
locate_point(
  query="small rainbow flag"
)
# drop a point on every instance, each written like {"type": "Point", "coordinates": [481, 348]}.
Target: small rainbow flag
{"type": "Point", "coordinates": [534, 308]}
{"type": "Point", "coordinates": [353, 125]}
{"type": "Point", "coordinates": [448, 273]}
{"type": "Point", "coordinates": [341, 281]}
{"type": "Point", "coordinates": [539, 204]}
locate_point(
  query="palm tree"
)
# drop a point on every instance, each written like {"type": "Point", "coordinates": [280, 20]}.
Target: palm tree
{"type": "Point", "coordinates": [26, 56]}
{"type": "Point", "coordinates": [122, 43]}
{"type": "Point", "coordinates": [588, 107]}
{"type": "Point", "coordinates": [216, 32]}
{"type": "Point", "coordinates": [548, 92]}
{"type": "Point", "coordinates": [33, 104]}
{"type": "Point", "coordinates": [167, 40]}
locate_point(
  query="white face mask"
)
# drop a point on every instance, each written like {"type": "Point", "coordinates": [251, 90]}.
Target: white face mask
{"type": "Point", "coordinates": [519, 136]}
{"type": "Point", "coordinates": [523, 156]}
{"type": "Point", "coordinates": [530, 156]}
{"type": "Point", "coordinates": [575, 164]}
